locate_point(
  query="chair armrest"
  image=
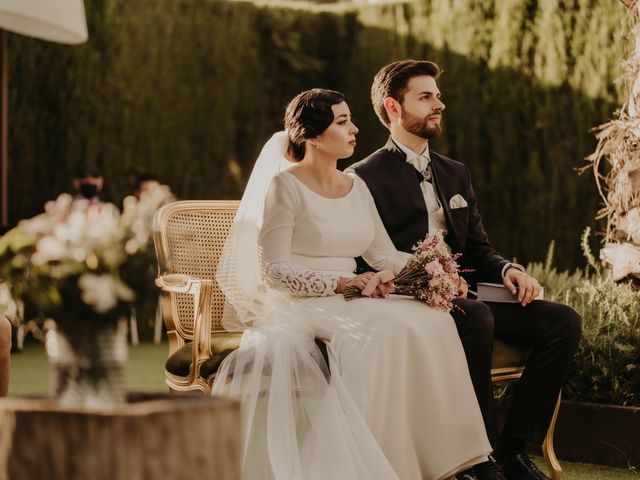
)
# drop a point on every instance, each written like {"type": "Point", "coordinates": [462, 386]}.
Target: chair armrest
{"type": "Point", "coordinates": [202, 290]}
{"type": "Point", "coordinates": [178, 283]}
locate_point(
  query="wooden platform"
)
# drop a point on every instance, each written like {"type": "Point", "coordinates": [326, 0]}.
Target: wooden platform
{"type": "Point", "coordinates": [153, 436]}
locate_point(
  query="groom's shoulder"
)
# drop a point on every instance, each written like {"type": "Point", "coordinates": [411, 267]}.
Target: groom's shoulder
{"type": "Point", "coordinates": [371, 162]}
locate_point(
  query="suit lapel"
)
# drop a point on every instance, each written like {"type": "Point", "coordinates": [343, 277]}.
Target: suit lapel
{"type": "Point", "coordinates": [442, 184]}
{"type": "Point", "coordinates": [409, 183]}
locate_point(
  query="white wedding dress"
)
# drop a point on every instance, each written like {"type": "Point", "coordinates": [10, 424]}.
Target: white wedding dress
{"type": "Point", "coordinates": [398, 401]}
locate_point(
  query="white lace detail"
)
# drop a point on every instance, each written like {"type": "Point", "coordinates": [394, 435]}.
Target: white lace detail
{"type": "Point", "coordinates": [299, 280]}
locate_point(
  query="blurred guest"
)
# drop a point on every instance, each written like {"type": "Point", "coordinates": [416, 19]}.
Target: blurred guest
{"type": "Point", "coordinates": [150, 191]}
{"type": "Point", "coordinates": [88, 182]}
{"type": "Point", "coordinates": [146, 182]}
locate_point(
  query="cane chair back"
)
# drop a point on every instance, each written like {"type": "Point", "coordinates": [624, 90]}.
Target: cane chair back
{"type": "Point", "coordinates": [189, 237]}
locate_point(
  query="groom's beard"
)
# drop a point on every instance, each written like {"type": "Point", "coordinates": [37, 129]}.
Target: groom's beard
{"type": "Point", "coordinates": [418, 126]}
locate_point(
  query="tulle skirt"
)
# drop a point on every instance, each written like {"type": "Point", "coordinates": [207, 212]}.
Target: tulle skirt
{"type": "Point", "coordinates": [395, 402]}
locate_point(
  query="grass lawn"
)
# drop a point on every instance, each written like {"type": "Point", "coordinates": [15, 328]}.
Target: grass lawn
{"type": "Point", "coordinates": [145, 372]}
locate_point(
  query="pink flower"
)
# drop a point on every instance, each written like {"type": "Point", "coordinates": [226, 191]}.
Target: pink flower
{"type": "Point", "coordinates": [450, 265]}
{"type": "Point", "coordinates": [429, 243]}
{"type": "Point", "coordinates": [431, 275]}
{"type": "Point", "coordinates": [434, 268]}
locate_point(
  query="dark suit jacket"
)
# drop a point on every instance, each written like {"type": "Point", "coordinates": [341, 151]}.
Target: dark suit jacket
{"type": "Point", "coordinates": [395, 187]}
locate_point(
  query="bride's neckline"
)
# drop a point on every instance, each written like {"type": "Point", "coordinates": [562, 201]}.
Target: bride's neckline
{"type": "Point", "coordinates": [306, 187]}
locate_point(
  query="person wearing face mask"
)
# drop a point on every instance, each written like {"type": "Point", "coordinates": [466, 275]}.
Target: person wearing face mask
{"type": "Point", "coordinates": [88, 182]}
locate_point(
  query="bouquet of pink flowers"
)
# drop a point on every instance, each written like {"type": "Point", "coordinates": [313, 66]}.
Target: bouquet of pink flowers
{"type": "Point", "coordinates": [431, 275]}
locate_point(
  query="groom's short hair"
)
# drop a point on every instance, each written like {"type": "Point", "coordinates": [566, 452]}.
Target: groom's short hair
{"type": "Point", "coordinates": [392, 80]}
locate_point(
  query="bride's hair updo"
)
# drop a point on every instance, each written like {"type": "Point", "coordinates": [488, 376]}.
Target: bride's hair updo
{"type": "Point", "coordinates": [307, 116]}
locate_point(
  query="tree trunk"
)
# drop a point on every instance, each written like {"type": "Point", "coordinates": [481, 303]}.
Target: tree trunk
{"type": "Point", "coordinates": [152, 437]}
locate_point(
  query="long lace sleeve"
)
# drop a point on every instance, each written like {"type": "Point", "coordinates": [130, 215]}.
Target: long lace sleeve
{"type": "Point", "coordinates": [300, 281]}
{"type": "Point", "coordinates": [275, 248]}
{"type": "Point", "coordinates": [382, 254]}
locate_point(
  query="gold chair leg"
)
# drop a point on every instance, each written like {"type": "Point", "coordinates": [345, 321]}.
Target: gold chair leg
{"type": "Point", "coordinates": [547, 445]}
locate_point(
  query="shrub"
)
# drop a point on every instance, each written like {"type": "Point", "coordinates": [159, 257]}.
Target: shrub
{"type": "Point", "coordinates": [607, 364]}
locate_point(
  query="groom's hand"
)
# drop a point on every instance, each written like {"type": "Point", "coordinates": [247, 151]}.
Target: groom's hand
{"type": "Point", "coordinates": [524, 286]}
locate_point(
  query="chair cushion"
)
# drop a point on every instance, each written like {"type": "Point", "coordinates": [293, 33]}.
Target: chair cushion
{"type": "Point", "coordinates": [506, 355]}
{"type": "Point", "coordinates": [222, 344]}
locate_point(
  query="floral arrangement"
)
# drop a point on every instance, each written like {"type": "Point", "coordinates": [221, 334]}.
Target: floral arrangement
{"type": "Point", "coordinates": [79, 259]}
{"type": "Point", "coordinates": [431, 275]}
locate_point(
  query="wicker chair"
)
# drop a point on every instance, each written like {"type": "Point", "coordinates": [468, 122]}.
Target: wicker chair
{"type": "Point", "coordinates": [189, 237]}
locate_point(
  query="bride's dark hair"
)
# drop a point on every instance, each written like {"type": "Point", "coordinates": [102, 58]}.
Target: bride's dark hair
{"type": "Point", "coordinates": [307, 116]}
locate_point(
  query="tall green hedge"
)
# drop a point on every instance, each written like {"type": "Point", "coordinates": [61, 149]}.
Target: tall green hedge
{"type": "Point", "coordinates": [190, 90]}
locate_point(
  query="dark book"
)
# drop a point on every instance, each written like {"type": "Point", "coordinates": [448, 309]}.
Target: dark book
{"type": "Point", "coordinates": [497, 292]}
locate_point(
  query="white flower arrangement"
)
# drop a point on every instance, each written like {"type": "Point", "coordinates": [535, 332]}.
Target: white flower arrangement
{"type": "Point", "coordinates": [77, 258]}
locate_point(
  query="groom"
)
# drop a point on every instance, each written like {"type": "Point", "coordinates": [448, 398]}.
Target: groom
{"type": "Point", "coordinates": [416, 191]}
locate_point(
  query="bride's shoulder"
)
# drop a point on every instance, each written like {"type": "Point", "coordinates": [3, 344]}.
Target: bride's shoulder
{"type": "Point", "coordinates": [283, 189]}
{"type": "Point", "coordinates": [286, 183]}
{"type": "Point", "coordinates": [286, 178]}
{"type": "Point", "coordinates": [294, 176]}
{"type": "Point", "coordinates": [283, 176]}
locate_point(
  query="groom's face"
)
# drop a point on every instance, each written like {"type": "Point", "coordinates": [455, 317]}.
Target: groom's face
{"type": "Point", "coordinates": [422, 108]}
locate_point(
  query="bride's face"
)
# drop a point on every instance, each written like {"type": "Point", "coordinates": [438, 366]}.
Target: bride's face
{"type": "Point", "coordinates": [339, 139]}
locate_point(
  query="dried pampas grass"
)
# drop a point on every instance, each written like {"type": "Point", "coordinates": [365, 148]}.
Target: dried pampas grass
{"type": "Point", "coordinates": [619, 145]}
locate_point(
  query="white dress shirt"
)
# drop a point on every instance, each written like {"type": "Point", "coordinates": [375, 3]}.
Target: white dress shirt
{"type": "Point", "coordinates": [435, 211]}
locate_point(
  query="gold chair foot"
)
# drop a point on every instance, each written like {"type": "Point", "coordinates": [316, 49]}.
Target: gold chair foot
{"type": "Point", "coordinates": [547, 446]}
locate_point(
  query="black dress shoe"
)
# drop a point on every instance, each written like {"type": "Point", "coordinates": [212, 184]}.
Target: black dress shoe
{"type": "Point", "coordinates": [489, 470]}
{"type": "Point", "coordinates": [519, 466]}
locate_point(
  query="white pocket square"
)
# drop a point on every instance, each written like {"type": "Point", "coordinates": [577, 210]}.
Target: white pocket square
{"type": "Point", "coordinates": [457, 201]}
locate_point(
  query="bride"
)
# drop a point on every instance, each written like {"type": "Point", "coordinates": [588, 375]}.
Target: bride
{"type": "Point", "coordinates": [393, 398]}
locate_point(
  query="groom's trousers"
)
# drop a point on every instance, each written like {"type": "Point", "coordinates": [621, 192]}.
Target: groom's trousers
{"type": "Point", "coordinates": [551, 330]}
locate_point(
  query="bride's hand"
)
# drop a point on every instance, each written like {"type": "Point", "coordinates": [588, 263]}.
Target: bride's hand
{"type": "Point", "coordinates": [380, 285]}
{"type": "Point", "coordinates": [359, 282]}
